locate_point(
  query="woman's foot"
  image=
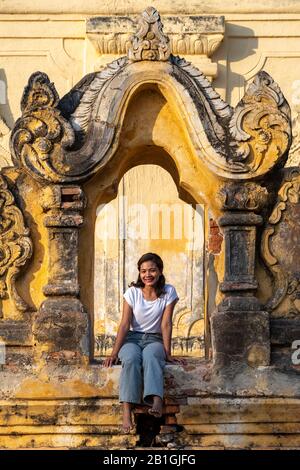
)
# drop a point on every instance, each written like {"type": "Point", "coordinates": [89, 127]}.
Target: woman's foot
{"type": "Point", "coordinates": [127, 424]}
{"type": "Point", "coordinates": [156, 408]}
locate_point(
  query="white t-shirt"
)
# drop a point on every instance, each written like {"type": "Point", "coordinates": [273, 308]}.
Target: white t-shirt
{"type": "Point", "coordinates": [147, 314]}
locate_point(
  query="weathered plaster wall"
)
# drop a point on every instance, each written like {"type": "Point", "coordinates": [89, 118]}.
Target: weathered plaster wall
{"type": "Point", "coordinates": [148, 216]}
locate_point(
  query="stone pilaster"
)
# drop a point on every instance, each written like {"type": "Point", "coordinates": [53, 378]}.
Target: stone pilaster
{"type": "Point", "coordinates": [240, 328]}
{"type": "Point", "coordinates": [61, 326]}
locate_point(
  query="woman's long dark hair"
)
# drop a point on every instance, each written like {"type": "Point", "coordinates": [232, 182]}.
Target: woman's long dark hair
{"type": "Point", "coordinates": [160, 284]}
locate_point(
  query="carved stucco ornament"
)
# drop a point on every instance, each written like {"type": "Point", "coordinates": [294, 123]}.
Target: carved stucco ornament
{"type": "Point", "coordinates": [280, 243]}
{"type": "Point", "coordinates": [41, 132]}
{"type": "Point", "coordinates": [68, 140]}
{"type": "Point", "coordinates": [243, 197]}
{"type": "Point", "coordinates": [260, 125]}
{"type": "Point", "coordinates": [149, 43]}
{"type": "Point", "coordinates": [195, 36]}
{"type": "Point", "coordinates": [15, 246]}
{"type": "Point", "coordinates": [187, 34]}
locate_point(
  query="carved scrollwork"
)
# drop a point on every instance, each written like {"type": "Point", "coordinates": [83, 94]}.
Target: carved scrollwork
{"type": "Point", "coordinates": [41, 132]}
{"type": "Point", "coordinates": [150, 43]}
{"type": "Point", "coordinates": [15, 246]}
{"type": "Point", "coordinates": [258, 116]}
{"type": "Point", "coordinates": [260, 125]}
{"type": "Point", "coordinates": [67, 141]}
{"type": "Point", "coordinates": [42, 137]}
{"type": "Point", "coordinates": [280, 240]}
{"type": "Point", "coordinates": [244, 197]}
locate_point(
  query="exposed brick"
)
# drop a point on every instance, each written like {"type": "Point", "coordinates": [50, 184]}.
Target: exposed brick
{"type": "Point", "coordinates": [215, 238]}
{"type": "Point", "coordinates": [170, 419]}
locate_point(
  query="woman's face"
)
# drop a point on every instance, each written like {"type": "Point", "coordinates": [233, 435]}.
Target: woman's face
{"type": "Point", "coordinates": [149, 273]}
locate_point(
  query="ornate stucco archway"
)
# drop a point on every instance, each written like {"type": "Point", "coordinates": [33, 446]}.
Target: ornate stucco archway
{"type": "Point", "coordinates": [215, 149]}
{"type": "Point", "coordinates": [69, 154]}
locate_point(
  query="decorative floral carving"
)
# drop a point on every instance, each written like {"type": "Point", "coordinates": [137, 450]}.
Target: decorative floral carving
{"type": "Point", "coordinates": [193, 35]}
{"type": "Point", "coordinates": [195, 44]}
{"type": "Point", "coordinates": [15, 246]}
{"type": "Point", "coordinates": [185, 43]}
{"type": "Point", "coordinates": [41, 138]}
{"type": "Point", "coordinates": [150, 43]}
{"type": "Point", "coordinates": [245, 196]}
{"type": "Point", "coordinates": [261, 125]}
{"type": "Point", "coordinates": [41, 132]}
{"type": "Point", "coordinates": [286, 278]}
{"type": "Point", "coordinates": [113, 43]}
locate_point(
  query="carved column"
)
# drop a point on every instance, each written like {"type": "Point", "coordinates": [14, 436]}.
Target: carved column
{"type": "Point", "coordinates": [61, 324]}
{"type": "Point", "coordinates": [240, 328]}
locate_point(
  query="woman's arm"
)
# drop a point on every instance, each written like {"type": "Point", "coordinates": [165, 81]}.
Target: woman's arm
{"type": "Point", "coordinates": [122, 332]}
{"type": "Point", "coordinates": [166, 328]}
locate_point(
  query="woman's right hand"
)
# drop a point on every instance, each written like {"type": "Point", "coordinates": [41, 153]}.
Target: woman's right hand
{"type": "Point", "coordinates": [111, 360]}
{"type": "Point", "coordinates": [175, 360]}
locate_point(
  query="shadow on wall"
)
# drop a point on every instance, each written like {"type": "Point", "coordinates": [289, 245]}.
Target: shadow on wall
{"type": "Point", "coordinates": [4, 102]}
{"type": "Point", "coordinates": [247, 49]}
{"type": "Point", "coordinates": [6, 122]}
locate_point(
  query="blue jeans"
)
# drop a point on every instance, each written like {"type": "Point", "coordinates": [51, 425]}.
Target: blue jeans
{"type": "Point", "coordinates": [143, 360]}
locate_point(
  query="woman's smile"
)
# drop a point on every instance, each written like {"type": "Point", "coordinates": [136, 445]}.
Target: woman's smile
{"type": "Point", "coordinates": [149, 273]}
{"type": "Point", "coordinates": [149, 281]}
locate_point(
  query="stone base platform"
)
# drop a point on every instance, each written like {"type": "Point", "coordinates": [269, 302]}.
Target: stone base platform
{"type": "Point", "coordinates": [75, 407]}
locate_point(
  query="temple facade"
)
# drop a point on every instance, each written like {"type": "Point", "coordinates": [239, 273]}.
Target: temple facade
{"type": "Point", "coordinates": [167, 128]}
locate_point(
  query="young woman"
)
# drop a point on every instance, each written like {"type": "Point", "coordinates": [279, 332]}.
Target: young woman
{"type": "Point", "coordinates": [143, 341]}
